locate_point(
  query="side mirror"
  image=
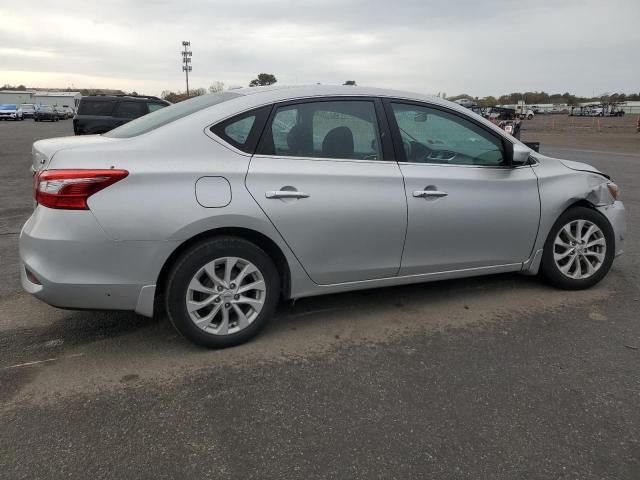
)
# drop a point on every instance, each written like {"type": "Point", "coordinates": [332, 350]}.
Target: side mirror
{"type": "Point", "coordinates": [520, 155]}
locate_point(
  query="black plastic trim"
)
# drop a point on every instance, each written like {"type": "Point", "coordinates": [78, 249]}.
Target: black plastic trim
{"type": "Point", "coordinates": [261, 114]}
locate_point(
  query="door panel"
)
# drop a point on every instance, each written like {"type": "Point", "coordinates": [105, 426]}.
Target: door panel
{"type": "Point", "coordinates": [485, 217]}
{"type": "Point", "coordinates": [348, 220]}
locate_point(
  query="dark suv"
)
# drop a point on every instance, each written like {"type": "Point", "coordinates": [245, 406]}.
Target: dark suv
{"type": "Point", "coordinates": [101, 113]}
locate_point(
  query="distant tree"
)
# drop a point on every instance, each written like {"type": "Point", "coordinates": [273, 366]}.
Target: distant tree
{"type": "Point", "coordinates": [460, 97]}
{"type": "Point", "coordinates": [216, 87]}
{"type": "Point", "coordinates": [350, 82]}
{"type": "Point", "coordinates": [263, 79]}
{"type": "Point", "coordinates": [175, 97]}
{"type": "Point", "coordinates": [21, 87]}
{"type": "Point", "coordinates": [134, 93]}
{"type": "Point", "coordinates": [488, 101]}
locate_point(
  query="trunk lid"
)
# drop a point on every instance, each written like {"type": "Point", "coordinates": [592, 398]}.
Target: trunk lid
{"type": "Point", "coordinates": [44, 150]}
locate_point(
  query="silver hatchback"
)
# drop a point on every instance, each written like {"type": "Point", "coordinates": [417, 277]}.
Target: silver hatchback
{"type": "Point", "coordinates": [224, 204]}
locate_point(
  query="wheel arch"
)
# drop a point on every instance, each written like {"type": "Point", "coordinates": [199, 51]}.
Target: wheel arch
{"type": "Point", "coordinates": [532, 266]}
{"type": "Point", "coordinates": [253, 236]}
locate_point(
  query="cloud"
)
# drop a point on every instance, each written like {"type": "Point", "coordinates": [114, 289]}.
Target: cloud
{"type": "Point", "coordinates": [481, 48]}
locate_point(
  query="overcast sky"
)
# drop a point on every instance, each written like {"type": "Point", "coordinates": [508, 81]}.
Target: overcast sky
{"type": "Point", "coordinates": [480, 47]}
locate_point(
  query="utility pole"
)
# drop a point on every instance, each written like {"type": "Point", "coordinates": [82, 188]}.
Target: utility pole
{"type": "Point", "coordinates": [186, 61]}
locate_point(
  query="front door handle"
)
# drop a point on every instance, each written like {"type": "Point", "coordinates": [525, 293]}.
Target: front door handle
{"type": "Point", "coordinates": [429, 193]}
{"type": "Point", "coordinates": [286, 194]}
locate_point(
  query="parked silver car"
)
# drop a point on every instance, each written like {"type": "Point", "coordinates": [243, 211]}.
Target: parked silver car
{"type": "Point", "coordinates": [218, 207]}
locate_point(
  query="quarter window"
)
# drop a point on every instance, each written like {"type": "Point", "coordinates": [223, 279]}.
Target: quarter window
{"type": "Point", "coordinates": [243, 131]}
{"type": "Point", "coordinates": [334, 129]}
{"type": "Point", "coordinates": [238, 131]}
{"type": "Point", "coordinates": [434, 136]}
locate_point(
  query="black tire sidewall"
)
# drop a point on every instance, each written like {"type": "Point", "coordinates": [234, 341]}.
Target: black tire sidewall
{"type": "Point", "coordinates": [191, 261]}
{"type": "Point", "coordinates": [549, 268]}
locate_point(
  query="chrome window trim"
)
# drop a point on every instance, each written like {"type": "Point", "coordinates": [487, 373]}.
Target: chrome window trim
{"type": "Point", "coordinates": [322, 159]}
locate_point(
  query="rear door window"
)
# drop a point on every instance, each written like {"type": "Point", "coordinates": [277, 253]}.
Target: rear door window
{"type": "Point", "coordinates": [96, 107]}
{"type": "Point", "coordinates": [342, 129]}
{"type": "Point", "coordinates": [131, 110]}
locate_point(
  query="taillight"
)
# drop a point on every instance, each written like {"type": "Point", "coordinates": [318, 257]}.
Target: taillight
{"type": "Point", "coordinates": [70, 189]}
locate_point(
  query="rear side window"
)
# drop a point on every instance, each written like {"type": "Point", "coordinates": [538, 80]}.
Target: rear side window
{"type": "Point", "coordinates": [243, 131]}
{"type": "Point", "coordinates": [130, 110]}
{"type": "Point", "coordinates": [342, 129]}
{"type": "Point", "coordinates": [96, 107]}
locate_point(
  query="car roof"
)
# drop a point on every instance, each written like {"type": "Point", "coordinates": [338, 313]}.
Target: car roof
{"type": "Point", "coordinates": [279, 92]}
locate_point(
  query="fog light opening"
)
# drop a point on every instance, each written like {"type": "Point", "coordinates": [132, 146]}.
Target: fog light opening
{"type": "Point", "coordinates": [32, 277]}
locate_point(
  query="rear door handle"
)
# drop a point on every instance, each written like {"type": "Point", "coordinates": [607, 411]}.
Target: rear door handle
{"type": "Point", "coordinates": [286, 194]}
{"type": "Point", "coordinates": [429, 193]}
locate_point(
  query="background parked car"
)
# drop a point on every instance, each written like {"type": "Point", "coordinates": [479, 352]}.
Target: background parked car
{"type": "Point", "coordinates": [61, 112]}
{"type": "Point", "coordinates": [70, 111]}
{"type": "Point", "coordinates": [101, 113]}
{"type": "Point", "coordinates": [45, 112]}
{"type": "Point", "coordinates": [28, 109]}
{"type": "Point", "coordinates": [10, 112]}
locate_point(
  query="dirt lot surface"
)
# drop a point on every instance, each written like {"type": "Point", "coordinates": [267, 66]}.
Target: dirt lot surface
{"type": "Point", "coordinates": [498, 377]}
{"type": "Point", "coordinates": [615, 134]}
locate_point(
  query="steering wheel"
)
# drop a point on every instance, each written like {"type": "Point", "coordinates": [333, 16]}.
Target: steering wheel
{"type": "Point", "coordinates": [418, 152]}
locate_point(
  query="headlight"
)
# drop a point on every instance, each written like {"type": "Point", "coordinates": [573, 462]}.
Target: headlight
{"type": "Point", "coordinates": [614, 190]}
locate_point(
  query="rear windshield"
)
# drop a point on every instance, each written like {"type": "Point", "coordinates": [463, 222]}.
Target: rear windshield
{"type": "Point", "coordinates": [96, 107]}
{"type": "Point", "coordinates": [169, 114]}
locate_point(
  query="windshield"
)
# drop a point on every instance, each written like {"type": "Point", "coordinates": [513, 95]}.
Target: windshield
{"type": "Point", "coordinates": [8, 107]}
{"type": "Point", "coordinates": [26, 106]}
{"type": "Point", "coordinates": [169, 114]}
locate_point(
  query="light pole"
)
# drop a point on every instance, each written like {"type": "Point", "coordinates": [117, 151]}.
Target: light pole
{"type": "Point", "coordinates": [186, 61]}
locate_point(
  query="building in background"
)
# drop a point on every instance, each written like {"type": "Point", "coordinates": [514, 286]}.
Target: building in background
{"type": "Point", "coordinates": [41, 97]}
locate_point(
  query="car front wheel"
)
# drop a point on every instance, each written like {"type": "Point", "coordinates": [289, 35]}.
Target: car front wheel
{"type": "Point", "coordinates": [222, 292]}
{"type": "Point", "coordinates": [579, 250]}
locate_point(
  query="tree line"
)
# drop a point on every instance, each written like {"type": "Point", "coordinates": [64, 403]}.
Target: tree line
{"type": "Point", "coordinates": [263, 79]}
{"type": "Point", "coordinates": [533, 98]}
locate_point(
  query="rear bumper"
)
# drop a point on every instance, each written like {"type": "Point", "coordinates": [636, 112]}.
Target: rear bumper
{"type": "Point", "coordinates": [617, 217]}
{"type": "Point", "coordinates": [73, 264]}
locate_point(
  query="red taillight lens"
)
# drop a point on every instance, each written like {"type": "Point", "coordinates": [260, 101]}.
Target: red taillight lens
{"type": "Point", "coordinates": [70, 189]}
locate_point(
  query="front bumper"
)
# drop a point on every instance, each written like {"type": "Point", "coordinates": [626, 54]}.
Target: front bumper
{"type": "Point", "coordinates": [617, 217]}
{"type": "Point", "coordinates": [73, 264]}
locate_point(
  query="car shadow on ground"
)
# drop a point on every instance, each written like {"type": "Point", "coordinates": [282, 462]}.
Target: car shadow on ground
{"type": "Point", "coordinates": [77, 328]}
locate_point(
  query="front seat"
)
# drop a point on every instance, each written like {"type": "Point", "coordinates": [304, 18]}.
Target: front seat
{"type": "Point", "coordinates": [338, 143]}
{"type": "Point", "coordinates": [299, 141]}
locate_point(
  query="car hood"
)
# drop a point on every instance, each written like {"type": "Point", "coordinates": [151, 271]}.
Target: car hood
{"type": "Point", "coordinates": [581, 167]}
{"type": "Point", "coordinates": [4, 110]}
{"type": "Point", "coordinates": [44, 150]}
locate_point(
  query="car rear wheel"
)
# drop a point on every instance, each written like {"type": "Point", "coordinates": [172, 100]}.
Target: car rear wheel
{"type": "Point", "coordinates": [222, 292]}
{"type": "Point", "coordinates": [579, 250]}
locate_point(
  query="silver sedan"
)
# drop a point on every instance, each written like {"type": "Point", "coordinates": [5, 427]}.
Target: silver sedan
{"type": "Point", "coordinates": [218, 207]}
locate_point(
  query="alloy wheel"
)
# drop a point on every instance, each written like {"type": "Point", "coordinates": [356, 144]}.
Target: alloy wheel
{"type": "Point", "coordinates": [579, 249]}
{"type": "Point", "coordinates": [226, 295]}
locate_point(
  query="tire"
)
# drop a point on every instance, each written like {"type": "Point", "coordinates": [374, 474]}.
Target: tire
{"type": "Point", "coordinates": [598, 256]}
{"type": "Point", "coordinates": [529, 117]}
{"type": "Point", "coordinates": [189, 270]}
